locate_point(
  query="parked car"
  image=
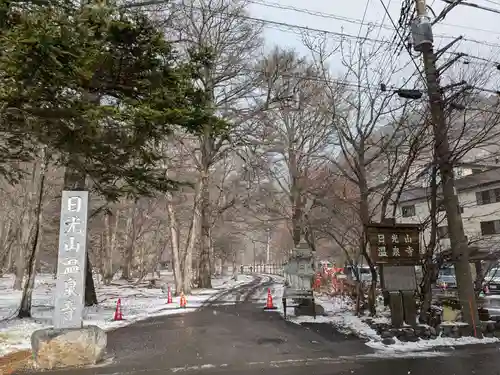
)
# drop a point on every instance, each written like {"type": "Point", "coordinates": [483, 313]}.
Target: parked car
{"type": "Point", "coordinates": [446, 278]}
{"type": "Point", "coordinates": [364, 274]}
{"type": "Point", "coordinates": [492, 281]}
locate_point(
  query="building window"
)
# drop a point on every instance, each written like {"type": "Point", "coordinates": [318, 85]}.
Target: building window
{"type": "Point", "coordinates": [483, 197]}
{"type": "Point", "coordinates": [490, 227]}
{"type": "Point", "coordinates": [442, 232]}
{"type": "Point", "coordinates": [408, 211]}
{"type": "Point", "coordinates": [488, 196]}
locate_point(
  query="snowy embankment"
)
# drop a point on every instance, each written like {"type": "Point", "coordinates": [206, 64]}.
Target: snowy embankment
{"type": "Point", "coordinates": [138, 302]}
{"type": "Point", "coordinates": [339, 312]}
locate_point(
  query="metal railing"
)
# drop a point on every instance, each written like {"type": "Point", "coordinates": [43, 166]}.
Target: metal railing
{"type": "Point", "coordinates": [270, 269]}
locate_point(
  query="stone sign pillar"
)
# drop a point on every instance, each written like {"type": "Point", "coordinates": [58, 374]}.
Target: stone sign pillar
{"type": "Point", "coordinates": [299, 274]}
{"type": "Point", "coordinates": [70, 344]}
{"type": "Point", "coordinates": [71, 263]}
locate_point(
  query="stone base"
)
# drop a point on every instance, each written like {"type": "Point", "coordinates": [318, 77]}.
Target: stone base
{"type": "Point", "coordinates": [424, 332]}
{"type": "Point", "coordinates": [307, 309]}
{"type": "Point", "coordinates": [70, 347]}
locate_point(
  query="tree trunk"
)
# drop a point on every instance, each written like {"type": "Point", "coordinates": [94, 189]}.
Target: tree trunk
{"type": "Point", "coordinates": [205, 267]}
{"type": "Point", "coordinates": [235, 271]}
{"type": "Point", "coordinates": [23, 243]}
{"type": "Point", "coordinates": [159, 252]}
{"type": "Point", "coordinates": [364, 210]}
{"type": "Point", "coordinates": [129, 247]}
{"type": "Point", "coordinates": [211, 250]}
{"type": "Point", "coordinates": [90, 294]}
{"type": "Point", "coordinates": [191, 242]}
{"type": "Point", "coordinates": [5, 248]}
{"type": "Point", "coordinates": [478, 282]}
{"type": "Point", "coordinates": [111, 227]}
{"type": "Point", "coordinates": [74, 180]}
{"type": "Point", "coordinates": [25, 232]}
{"type": "Point", "coordinates": [25, 308]}
{"type": "Point", "coordinates": [175, 245]}
{"type": "Point", "coordinates": [444, 155]}
{"type": "Point", "coordinates": [19, 269]}
{"type": "Point", "coordinates": [182, 262]}
{"type": "Point", "coordinates": [428, 267]}
{"type": "Point", "coordinates": [142, 268]}
{"type": "Point", "coordinates": [10, 260]}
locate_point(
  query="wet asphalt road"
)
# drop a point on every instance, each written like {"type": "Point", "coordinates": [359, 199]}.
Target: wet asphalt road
{"type": "Point", "coordinates": [243, 339]}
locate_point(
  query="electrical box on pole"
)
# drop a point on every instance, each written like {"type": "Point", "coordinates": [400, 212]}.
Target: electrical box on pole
{"type": "Point", "coordinates": [421, 32]}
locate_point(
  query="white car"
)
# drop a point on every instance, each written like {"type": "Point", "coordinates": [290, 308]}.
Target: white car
{"type": "Point", "coordinates": [492, 281]}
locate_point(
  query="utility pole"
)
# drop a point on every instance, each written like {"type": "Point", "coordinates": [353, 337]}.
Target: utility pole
{"type": "Point", "coordinates": [423, 42]}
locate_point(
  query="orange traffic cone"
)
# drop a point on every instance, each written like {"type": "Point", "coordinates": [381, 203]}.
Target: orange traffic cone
{"type": "Point", "coordinates": [183, 301]}
{"type": "Point", "coordinates": [269, 303]}
{"type": "Point", "coordinates": [169, 295]}
{"type": "Point", "coordinates": [118, 310]}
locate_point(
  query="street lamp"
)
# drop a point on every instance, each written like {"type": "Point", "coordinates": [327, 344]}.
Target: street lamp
{"type": "Point", "coordinates": [403, 93]}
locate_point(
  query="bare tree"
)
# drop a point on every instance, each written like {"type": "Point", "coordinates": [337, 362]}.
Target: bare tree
{"type": "Point", "coordinates": [334, 213]}
{"type": "Point", "coordinates": [38, 189]}
{"type": "Point", "coordinates": [295, 134]}
{"type": "Point", "coordinates": [371, 126]}
{"type": "Point", "coordinates": [183, 208]}
{"type": "Point", "coordinates": [218, 31]}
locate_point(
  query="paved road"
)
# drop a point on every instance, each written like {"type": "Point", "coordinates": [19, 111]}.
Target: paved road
{"type": "Point", "coordinates": [243, 339]}
{"type": "Point", "coordinates": [483, 361]}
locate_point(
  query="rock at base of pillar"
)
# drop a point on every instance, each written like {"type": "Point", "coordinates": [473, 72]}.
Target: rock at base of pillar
{"type": "Point", "coordinates": [68, 347]}
{"type": "Point", "coordinates": [307, 308]}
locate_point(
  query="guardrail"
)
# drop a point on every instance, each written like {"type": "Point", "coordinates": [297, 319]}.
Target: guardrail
{"type": "Point", "coordinates": [271, 269]}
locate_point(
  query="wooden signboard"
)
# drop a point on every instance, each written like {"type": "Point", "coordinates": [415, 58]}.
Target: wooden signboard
{"type": "Point", "coordinates": [394, 244]}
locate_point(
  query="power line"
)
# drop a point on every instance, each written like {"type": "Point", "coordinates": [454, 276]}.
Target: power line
{"type": "Point", "coordinates": [285, 27]}
{"type": "Point", "coordinates": [403, 41]}
{"type": "Point", "coordinates": [364, 85]}
{"type": "Point", "coordinates": [362, 22]}
{"type": "Point", "coordinates": [387, 56]}
{"type": "Point", "coordinates": [294, 27]}
{"type": "Point", "coordinates": [492, 2]}
{"type": "Point", "coordinates": [340, 82]}
{"type": "Point", "coordinates": [473, 5]}
{"type": "Point", "coordinates": [416, 64]}
{"type": "Point", "coordinates": [383, 20]}
{"type": "Point", "coordinates": [288, 27]}
{"type": "Point", "coordinates": [381, 25]}
{"type": "Point", "coordinates": [357, 86]}
{"type": "Point", "coordinates": [291, 28]}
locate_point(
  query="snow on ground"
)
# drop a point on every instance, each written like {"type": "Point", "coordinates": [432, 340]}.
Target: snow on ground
{"type": "Point", "coordinates": [138, 302]}
{"type": "Point", "coordinates": [339, 312]}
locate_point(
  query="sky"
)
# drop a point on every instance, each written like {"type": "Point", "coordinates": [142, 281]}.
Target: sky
{"type": "Point", "coordinates": [479, 28]}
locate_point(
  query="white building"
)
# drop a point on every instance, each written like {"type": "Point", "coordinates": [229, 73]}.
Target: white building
{"type": "Point", "coordinates": [478, 189]}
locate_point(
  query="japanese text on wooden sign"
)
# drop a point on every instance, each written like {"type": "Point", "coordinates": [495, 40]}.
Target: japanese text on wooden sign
{"type": "Point", "coordinates": [71, 263]}
{"type": "Point", "coordinates": [394, 244]}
